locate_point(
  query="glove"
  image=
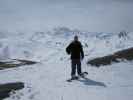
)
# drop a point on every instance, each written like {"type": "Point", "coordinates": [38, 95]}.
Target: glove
{"type": "Point", "coordinates": [82, 57]}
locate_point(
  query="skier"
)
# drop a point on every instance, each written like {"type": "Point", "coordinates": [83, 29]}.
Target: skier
{"type": "Point", "coordinates": [77, 54]}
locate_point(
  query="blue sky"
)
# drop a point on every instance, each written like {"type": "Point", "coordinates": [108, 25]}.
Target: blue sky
{"type": "Point", "coordinates": [90, 15]}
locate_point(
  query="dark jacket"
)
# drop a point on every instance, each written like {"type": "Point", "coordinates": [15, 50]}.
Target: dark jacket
{"type": "Point", "coordinates": [76, 50]}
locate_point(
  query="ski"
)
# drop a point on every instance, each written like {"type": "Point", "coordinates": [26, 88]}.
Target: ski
{"type": "Point", "coordinates": [71, 79]}
{"type": "Point", "coordinates": [83, 75]}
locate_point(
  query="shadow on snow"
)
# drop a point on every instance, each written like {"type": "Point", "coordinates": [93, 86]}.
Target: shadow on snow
{"type": "Point", "coordinates": [92, 82]}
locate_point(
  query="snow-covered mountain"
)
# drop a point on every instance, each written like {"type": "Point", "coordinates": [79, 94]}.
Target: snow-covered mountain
{"type": "Point", "coordinates": [32, 45]}
{"type": "Point", "coordinates": [48, 78]}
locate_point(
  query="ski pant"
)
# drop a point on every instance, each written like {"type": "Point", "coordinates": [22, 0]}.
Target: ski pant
{"type": "Point", "coordinates": [75, 64]}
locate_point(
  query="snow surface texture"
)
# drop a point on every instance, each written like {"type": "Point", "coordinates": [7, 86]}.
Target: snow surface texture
{"type": "Point", "coordinates": [47, 79]}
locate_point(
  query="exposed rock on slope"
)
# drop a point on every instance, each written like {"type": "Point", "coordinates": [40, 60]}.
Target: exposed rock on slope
{"type": "Point", "coordinates": [15, 63]}
{"type": "Point", "coordinates": [126, 54]}
{"type": "Point", "coordinates": [5, 89]}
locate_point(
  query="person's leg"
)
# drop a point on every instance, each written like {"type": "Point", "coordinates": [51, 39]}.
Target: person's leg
{"type": "Point", "coordinates": [73, 67]}
{"type": "Point", "coordinates": [79, 70]}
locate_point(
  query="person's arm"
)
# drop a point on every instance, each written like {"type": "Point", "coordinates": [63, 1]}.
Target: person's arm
{"type": "Point", "coordinates": [81, 50]}
{"type": "Point", "coordinates": [68, 49]}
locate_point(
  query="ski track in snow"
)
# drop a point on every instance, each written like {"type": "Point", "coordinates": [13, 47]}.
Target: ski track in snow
{"type": "Point", "coordinates": [47, 79]}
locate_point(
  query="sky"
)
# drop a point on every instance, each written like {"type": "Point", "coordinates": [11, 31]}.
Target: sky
{"type": "Point", "coordinates": [88, 15]}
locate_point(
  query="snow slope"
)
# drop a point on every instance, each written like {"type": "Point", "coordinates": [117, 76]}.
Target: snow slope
{"type": "Point", "coordinates": [47, 79]}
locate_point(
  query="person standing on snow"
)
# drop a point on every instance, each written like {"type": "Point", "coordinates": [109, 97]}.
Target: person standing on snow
{"type": "Point", "coordinates": [75, 49]}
